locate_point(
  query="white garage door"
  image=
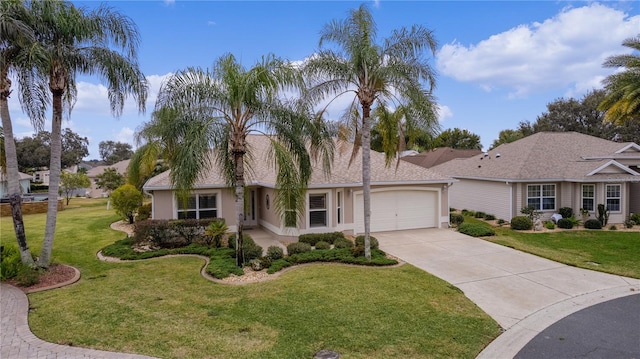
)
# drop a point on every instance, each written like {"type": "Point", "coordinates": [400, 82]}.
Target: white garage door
{"type": "Point", "coordinates": [399, 209]}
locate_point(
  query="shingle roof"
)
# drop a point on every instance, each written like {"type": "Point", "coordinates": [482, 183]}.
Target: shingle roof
{"type": "Point", "coordinates": [439, 155]}
{"type": "Point", "coordinates": [120, 167]}
{"type": "Point", "coordinates": [261, 170]}
{"type": "Point", "coordinates": [543, 156]}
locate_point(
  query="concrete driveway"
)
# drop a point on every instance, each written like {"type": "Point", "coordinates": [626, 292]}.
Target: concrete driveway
{"type": "Point", "coordinates": [519, 290]}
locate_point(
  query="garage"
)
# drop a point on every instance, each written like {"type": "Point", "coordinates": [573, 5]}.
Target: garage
{"type": "Point", "coordinates": [398, 209]}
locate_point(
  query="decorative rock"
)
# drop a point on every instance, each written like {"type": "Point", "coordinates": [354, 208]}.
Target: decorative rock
{"type": "Point", "coordinates": [326, 354]}
{"type": "Point", "coordinates": [537, 226]}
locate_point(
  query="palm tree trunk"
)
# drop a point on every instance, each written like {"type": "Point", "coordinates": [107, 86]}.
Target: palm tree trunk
{"type": "Point", "coordinates": [11, 171]}
{"type": "Point", "coordinates": [54, 181]}
{"type": "Point", "coordinates": [366, 176]}
{"type": "Point", "coordinates": [238, 158]}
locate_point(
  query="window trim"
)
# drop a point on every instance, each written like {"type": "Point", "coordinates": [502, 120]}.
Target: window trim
{"type": "Point", "coordinates": [217, 208]}
{"type": "Point", "coordinates": [327, 208]}
{"type": "Point", "coordinates": [592, 198]}
{"type": "Point", "coordinates": [541, 197]}
{"type": "Point", "coordinates": [339, 207]}
{"type": "Point", "coordinates": [607, 198]}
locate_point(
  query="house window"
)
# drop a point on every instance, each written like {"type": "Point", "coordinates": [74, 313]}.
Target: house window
{"type": "Point", "coordinates": [588, 197]}
{"type": "Point", "coordinates": [198, 206]}
{"type": "Point", "coordinates": [339, 206]}
{"type": "Point", "coordinates": [541, 197]}
{"type": "Point", "coordinates": [318, 210]}
{"type": "Point", "coordinates": [613, 197]}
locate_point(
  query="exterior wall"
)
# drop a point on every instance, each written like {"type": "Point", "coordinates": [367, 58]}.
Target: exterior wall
{"type": "Point", "coordinates": [634, 198]}
{"type": "Point", "coordinates": [489, 197]}
{"type": "Point", "coordinates": [162, 206]}
{"type": "Point", "coordinates": [25, 187]}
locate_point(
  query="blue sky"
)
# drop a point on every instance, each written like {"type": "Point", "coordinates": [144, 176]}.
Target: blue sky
{"type": "Point", "coordinates": [498, 63]}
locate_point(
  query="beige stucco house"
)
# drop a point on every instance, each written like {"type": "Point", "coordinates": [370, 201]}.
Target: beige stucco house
{"type": "Point", "coordinates": [549, 170]}
{"type": "Point", "coordinates": [95, 192]}
{"type": "Point", "coordinates": [405, 197]}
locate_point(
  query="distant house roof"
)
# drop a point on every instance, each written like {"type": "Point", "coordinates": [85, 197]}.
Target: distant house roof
{"type": "Point", "coordinates": [260, 171]}
{"type": "Point", "coordinates": [551, 156]}
{"type": "Point", "coordinates": [439, 155]}
{"type": "Point", "coordinates": [120, 167]}
{"type": "Point", "coordinates": [23, 176]}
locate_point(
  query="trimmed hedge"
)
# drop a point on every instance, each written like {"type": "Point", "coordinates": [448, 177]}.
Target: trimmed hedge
{"type": "Point", "coordinates": [378, 258]}
{"type": "Point", "coordinates": [565, 223]}
{"type": "Point", "coordinates": [274, 253]}
{"type": "Point", "coordinates": [455, 219]}
{"type": "Point", "coordinates": [298, 247]}
{"type": "Point", "coordinates": [566, 212]}
{"type": "Point", "coordinates": [373, 242]}
{"type": "Point", "coordinates": [313, 238]}
{"type": "Point", "coordinates": [322, 245]}
{"type": "Point", "coordinates": [476, 230]}
{"type": "Point", "coordinates": [521, 223]}
{"type": "Point", "coordinates": [593, 224]}
{"type": "Point", "coordinates": [342, 243]}
{"type": "Point", "coordinates": [171, 233]}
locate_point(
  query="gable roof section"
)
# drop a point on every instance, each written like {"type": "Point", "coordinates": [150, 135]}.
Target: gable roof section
{"type": "Point", "coordinates": [439, 155]}
{"type": "Point", "coordinates": [260, 171]}
{"type": "Point", "coordinates": [544, 156]}
{"type": "Point", "coordinates": [120, 167]}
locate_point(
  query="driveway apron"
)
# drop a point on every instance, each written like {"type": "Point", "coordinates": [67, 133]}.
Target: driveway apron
{"type": "Point", "coordinates": [507, 284]}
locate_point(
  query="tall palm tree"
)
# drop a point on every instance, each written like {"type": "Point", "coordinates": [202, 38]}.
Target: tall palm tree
{"type": "Point", "coordinates": [17, 37]}
{"type": "Point", "coordinates": [74, 40]}
{"type": "Point", "coordinates": [198, 110]}
{"type": "Point", "coordinates": [388, 74]}
{"type": "Point", "coordinates": [622, 100]}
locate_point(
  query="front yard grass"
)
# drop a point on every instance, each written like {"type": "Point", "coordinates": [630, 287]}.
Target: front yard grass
{"type": "Point", "coordinates": [163, 307]}
{"type": "Point", "coordinates": [614, 252]}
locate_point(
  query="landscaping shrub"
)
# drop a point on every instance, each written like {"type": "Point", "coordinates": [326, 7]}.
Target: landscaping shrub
{"type": "Point", "coordinates": [298, 247]}
{"type": "Point", "coordinates": [274, 253]}
{"type": "Point", "coordinates": [373, 242]}
{"type": "Point", "coordinates": [250, 248]}
{"type": "Point", "coordinates": [479, 214]}
{"type": "Point", "coordinates": [566, 212]}
{"type": "Point", "coordinates": [549, 225]}
{"type": "Point", "coordinates": [232, 240]}
{"type": "Point", "coordinates": [215, 232]}
{"type": "Point", "coordinates": [629, 223]}
{"type": "Point", "coordinates": [635, 218]}
{"type": "Point", "coordinates": [489, 217]}
{"type": "Point", "coordinates": [501, 221]}
{"type": "Point", "coordinates": [144, 212]}
{"type": "Point", "coordinates": [313, 238]}
{"type": "Point", "coordinates": [593, 224]}
{"type": "Point", "coordinates": [222, 267]}
{"type": "Point", "coordinates": [451, 209]}
{"type": "Point", "coordinates": [521, 223]}
{"type": "Point", "coordinates": [466, 212]}
{"type": "Point", "coordinates": [322, 245]}
{"type": "Point", "coordinates": [171, 234]}
{"type": "Point", "coordinates": [10, 262]}
{"type": "Point", "coordinates": [603, 214]}
{"type": "Point", "coordinates": [456, 219]}
{"type": "Point", "coordinates": [27, 276]}
{"type": "Point", "coordinates": [358, 251]}
{"type": "Point", "coordinates": [613, 228]}
{"type": "Point", "coordinates": [476, 230]}
{"type": "Point", "coordinates": [565, 223]}
{"type": "Point", "coordinates": [342, 243]}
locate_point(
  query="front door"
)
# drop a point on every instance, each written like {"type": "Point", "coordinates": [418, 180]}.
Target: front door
{"type": "Point", "coordinates": [250, 211]}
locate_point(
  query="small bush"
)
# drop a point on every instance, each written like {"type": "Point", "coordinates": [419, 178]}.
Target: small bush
{"type": "Point", "coordinates": [521, 223]}
{"type": "Point", "coordinates": [232, 240]}
{"type": "Point", "coordinates": [373, 242]}
{"type": "Point", "coordinates": [27, 276]}
{"type": "Point", "coordinates": [479, 214]}
{"type": "Point", "coordinates": [274, 253]}
{"type": "Point", "coordinates": [476, 230]}
{"type": "Point", "coordinates": [593, 224]}
{"type": "Point", "coordinates": [501, 221]}
{"type": "Point", "coordinates": [549, 225]}
{"type": "Point", "coordinates": [489, 217]}
{"type": "Point", "coordinates": [298, 247]}
{"type": "Point", "coordinates": [323, 245]}
{"type": "Point", "coordinates": [466, 212]}
{"type": "Point", "coordinates": [451, 209]}
{"type": "Point", "coordinates": [635, 218]}
{"type": "Point", "coordinates": [144, 212]}
{"type": "Point", "coordinates": [566, 212]}
{"type": "Point", "coordinates": [456, 219]}
{"type": "Point", "coordinates": [313, 238]}
{"type": "Point", "coordinates": [629, 223]}
{"type": "Point", "coordinates": [613, 228]}
{"type": "Point", "coordinates": [342, 243]}
{"type": "Point", "coordinates": [10, 262]}
{"type": "Point", "coordinates": [358, 251]}
{"type": "Point", "coordinates": [565, 223]}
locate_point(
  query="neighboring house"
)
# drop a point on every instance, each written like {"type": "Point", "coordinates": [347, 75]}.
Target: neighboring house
{"type": "Point", "coordinates": [93, 173]}
{"type": "Point", "coordinates": [41, 176]}
{"type": "Point", "coordinates": [405, 197]}
{"type": "Point", "coordinates": [549, 170]}
{"type": "Point", "coordinates": [25, 183]}
{"type": "Point", "coordinates": [428, 159]}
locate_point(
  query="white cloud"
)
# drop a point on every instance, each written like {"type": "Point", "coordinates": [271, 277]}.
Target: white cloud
{"type": "Point", "coordinates": [169, 2]}
{"type": "Point", "coordinates": [125, 135]}
{"type": "Point", "coordinates": [566, 51]}
{"type": "Point", "coordinates": [211, 23]}
{"type": "Point", "coordinates": [444, 112]}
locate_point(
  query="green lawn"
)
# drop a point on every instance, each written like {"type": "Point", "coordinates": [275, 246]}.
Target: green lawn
{"type": "Point", "coordinates": [603, 250]}
{"type": "Point", "coordinates": [163, 307]}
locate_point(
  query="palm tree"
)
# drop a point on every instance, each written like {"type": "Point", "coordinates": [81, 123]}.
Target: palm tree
{"type": "Point", "coordinates": [74, 40]}
{"type": "Point", "coordinates": [15, 58]}
{"type": "Point", "coordinates": [622, 100]}
{"type": "Point", "coordinates": [388, 74]}
{"type": "Point", "coordinates": [198, 110]}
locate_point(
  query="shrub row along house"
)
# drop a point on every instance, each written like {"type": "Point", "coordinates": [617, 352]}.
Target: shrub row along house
{"type": "Point", "coordinates": [549, 170]}
{"type": "Point", "coordinates": [403, 197]}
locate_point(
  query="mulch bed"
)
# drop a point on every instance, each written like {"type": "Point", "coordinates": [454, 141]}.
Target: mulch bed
{"type": "Point", "coordinates": [57, 273]}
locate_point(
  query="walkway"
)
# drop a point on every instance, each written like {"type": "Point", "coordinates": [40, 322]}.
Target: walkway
{"type": "Point", "coordinates": [524, 293]}
{"type": "Point", "coordinates": [17, 341]}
